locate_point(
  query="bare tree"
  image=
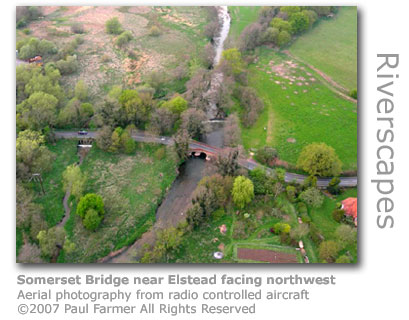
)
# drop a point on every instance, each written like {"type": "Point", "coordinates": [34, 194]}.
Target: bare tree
{"type": "Point", "coordinates": [232, 131]}
{"type": "Point", "coordinates": [194, 122]}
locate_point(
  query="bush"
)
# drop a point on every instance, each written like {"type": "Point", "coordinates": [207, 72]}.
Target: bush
{"type": "Point", "coordinates": [91, 209]}
{"type": "Point", "coordinates": [343, 259]}
{"type": "Point", "coordinates": [26, 31]}
{"type": "Point", "coordinates": [333, 186]}
{"type": "Point", "coordinates": [123, 38]}
{"type": "Point", "coordinates": [338, 215]}
{"type": "Point", "coordinates": [280, 228]}
{"type": "Point", "coordinates": [354, 94]}
{"type": "Point", "coordinates": [267, 155]}
{"type": "Point", "coordinates": [302, 208]}
{"type": "Point", "coordinates": [31, 47]}
{"type": "Point", "coordinates": [154, 31]}
{"type": "Point", "coordinates": [328, 250]}
{"type": "Point", "coordinates": [68, 65]}
{"type": "Point", "coordinates": [283, 38]}
{"type": "Point", "coordinates": [77, 28]}
{"type": "Point", "coordinates": [112, 26]}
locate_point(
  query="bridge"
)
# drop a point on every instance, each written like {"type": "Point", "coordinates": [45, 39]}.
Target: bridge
{"type": "Point", "coordinates": [198, 148]}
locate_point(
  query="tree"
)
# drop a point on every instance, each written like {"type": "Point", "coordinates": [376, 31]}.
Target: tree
{"type": "Point", "coordinates": [51, 241]}
{"type": "Point", "coordinates": [280, 228]}
{"type": "Point", "coordinates": [128, 144]}
{"type": "Point", "coordinates": [135, 108]}
{"type": "Point", "coordinates": [195, 215]}
{"type": "Point", "coordinates": [333, 186]}
{"type": "Point", "coordinates": [30, 253]}
{"type": "Point", "coordinates": [25, 207]}
{"type": "Point", "coordinates": [81, 90]}
{"type": "Point", "coordinates": [196, 89]}
{"type": "Point", "coordinates": [234, 60]}
{"type": "Point", "coordinates": [259, 178]}
{"type": "Point", "coordinates": [227, 162]}
{"type": "Point", "coordinates": [181, 143]}
{"type": "Point", "coordinates": [283, 38]}
{"type": "Point", "coordinates": [270, 35]}
{"type": "Point", "coordinates": [77, 28]}
{"type": "Point", "coordinates": [338, 215]}
{"type": "Point", "coordinates": [91, 210]}
{"type": "Point", "coordinates": [31, 47]}
{"type": "Point", "coordinates": [92, 220]}
{"type": "Point", "coordinates": [69, 65]}
{"type": "Point", "coordinates": [251, 104]}
{"type": "Point", "coordinates": [38, 111]}
{"type": "Point", "coordinates": [112, 26]}
{"type": "Point", "coordinates": [232, 131]}
{"type": "Point", "coordinates": [281, 25]}
{"type": "Point", "coordinates": [346, 234]}
{"type": "Point", "coordinates": [312, 197]}
{"type": "Point", "coordinates": [176, 105]}
{"type": "Point", "coordinates": [162, 121]}
{"type": "Point", "coordinates": [299, 22]}
{"type": "Point", "coordinates": [267, 155]}
{"type": "Point", "coordinates": [300, 231]}
{"type": "Point", "coordinates": [116, 145]}
{"type": "Point", "coordinates": [319, 159]}
{"type": "Point", "coordinates": [193, 121]}
{"type": "Point", "coordinates": [103, 138]}
{"type": "Point", "coordinates": [74, 181]}
{"type": "Point", "coordinates": [312, 16]}
{"type": "Point", "coordinates": [328, 250]}
{"type": "Point", "coordinates": [291, 193]}
{"type": "Point", "coordinates": [251, 36]}
{"type": "Point", "coordinates": [31, 155]}
{"type": "Point", "coordinates": [242, 192]}
{"type": "Point", "coordinates": [220, 186]}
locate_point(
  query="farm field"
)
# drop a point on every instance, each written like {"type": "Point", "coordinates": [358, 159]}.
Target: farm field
{"type": "Point", "coordinates": [298, 110]}
{"type": "Point", "coordinates": [331, 46]}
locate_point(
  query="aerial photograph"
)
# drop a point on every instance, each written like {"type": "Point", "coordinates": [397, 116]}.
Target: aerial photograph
{"type": "Point", "coordinates": [172, 134]}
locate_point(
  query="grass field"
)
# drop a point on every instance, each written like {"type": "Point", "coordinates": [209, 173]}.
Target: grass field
{"type": "Point", "coordinates": [240, 18]}
{"type": "Point", "coordinates": [132, 187]}
{"type": "Point", "coordinates": [299, 110]}
{"type": "Point", "coordinates": [331, 46]}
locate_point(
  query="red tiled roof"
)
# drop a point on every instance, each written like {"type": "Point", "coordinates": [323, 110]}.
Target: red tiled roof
{"type": "Point", "coordinates": [350, 206]}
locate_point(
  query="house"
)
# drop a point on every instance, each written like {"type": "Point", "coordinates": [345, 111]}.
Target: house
{"type": "Point", "coordinates": [350, 206]}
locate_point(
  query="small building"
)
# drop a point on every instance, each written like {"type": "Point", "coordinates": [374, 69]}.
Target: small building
{"type": "Point", "coordinates": [350, 206]}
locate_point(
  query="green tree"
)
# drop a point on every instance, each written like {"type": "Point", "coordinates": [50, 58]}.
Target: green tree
{"type": "Point", "coordinates": [234, 60]}
{"type": "Point", "coordinates": [74, 181]}
{"type": "Point", "coordinates": [113, 26]}
{"type": "Point", "coordinates": [92, 220]}
{"type": "Point", "coordinates": [346, 234]}
{"type": "Point", "coordinates": [51, 241]}
{"type": "Point", "coordinates": [31, 155]}
{"type": "Point", "coordinates": [177, 105]}
{"type": "Point", "coordinates": [280, 228]}
{"type": "Point", "coordinates": [242, 192]}
{"type": "Point", "coordinates": [343, 259]}
{"type": "Point", "coordinates": [299, 22]}
{"type": "Point", "coordinates": [259, 178]}
{"type": "Point", "coordinates": [128, 144]}
{"type": "Point", "coordinates": [281, 25]}
{"type": "Point", "coordinates": [90, 204]}
{"type": "Point", "coordinates": [38, 111]}
{"type": "Point", "coordinates": [328, 251]}
{"type": "Point", "coordinates": [333, 186]}
{"type": "Point", "coordinates": [290, 10]}
{"type": "Point", "coordinates": [319, 159]}
{"type": "Point", "coordinates": [116, 144]}
{"type": "Point", "coordinates": [81, 90]}
{"type": "Point", "coordinates": [283, 38]}
{"type": "Point", "coordinates": [312, 197]}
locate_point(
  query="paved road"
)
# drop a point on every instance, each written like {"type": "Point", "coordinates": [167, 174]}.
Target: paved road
{"type": "Point", "coordinates": [246, 163]}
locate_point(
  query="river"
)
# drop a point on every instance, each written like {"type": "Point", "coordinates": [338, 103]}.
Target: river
{"type": "Point", "coordinates": [173, 208]}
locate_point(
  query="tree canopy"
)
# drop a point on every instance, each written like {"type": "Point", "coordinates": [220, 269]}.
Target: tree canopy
{"type": "Point", "coordinates": [242, 192]}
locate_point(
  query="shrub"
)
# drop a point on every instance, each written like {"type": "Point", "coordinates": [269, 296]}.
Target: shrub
{"type": "Point", "coordinates": [338, 215]}
{"type": "Point", "coordinates": [343, 259]}
{"type": "Point", "coordinates": [302, 208]}
{"type": "Point", "coordinates": [154, 31]}
{"type": "Point", "coordinates": [328, 250]}
{"type": "Point", "coordinates": [91, 209]}
{"type": "Point", "coordinates": [267, 155]}
{"type": "Point", "coordinates": [112, 26]}
{"type": "Point", "coordinates": [291, 193]}
{"type": "Point", "coordinates": [77, 28]}
{"type": "Point", "coordinates": [68, 65]}
{"type": "Point", "coordinates": [283, 38]}
{"type": "Point", "coordinates": [333, 186]}
{"type": "Point", "coordinates": [92, 220]}
{"type": "Point", "coordinates": [280, 228]}
{"type": "Point", "coordinates": [123, 38]}
{"type": "Point", "coordinates": [26, 31]}
{"type": "Point", "coordinates": [312, 197]}
{"type": "Point", "coordinates": [105, 58]}
{"type": "Point", "coordinates": [354, 94]}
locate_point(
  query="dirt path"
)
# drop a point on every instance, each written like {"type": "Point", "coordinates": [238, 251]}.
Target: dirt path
{"type": "Point", "coordinates": [270, 124]}
{"type": "Point", "coordinates": [332, 84]}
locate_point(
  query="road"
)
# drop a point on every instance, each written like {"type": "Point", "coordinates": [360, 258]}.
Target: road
{"type": "Point", "coordinates": [246, 163]}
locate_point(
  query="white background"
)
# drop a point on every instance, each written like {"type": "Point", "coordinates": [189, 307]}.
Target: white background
{"type": "Point", "coordinates": [376, 288]}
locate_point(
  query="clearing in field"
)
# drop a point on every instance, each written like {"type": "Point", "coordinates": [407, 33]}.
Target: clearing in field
{"type": "Point", "coordinates": [331, 46]}
{"type": "Point", "coordinates": [299, 109]}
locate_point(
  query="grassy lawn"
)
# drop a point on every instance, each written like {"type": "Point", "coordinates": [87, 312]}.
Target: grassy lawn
{"type": "Point", "coordinates": [132, 188]}
{"type": "Point", "coordinates": [299, 110]}
{"type": "Point", "coordinates": [331, 46]}
{"type": "Point", "coordinates": [241, 17]}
